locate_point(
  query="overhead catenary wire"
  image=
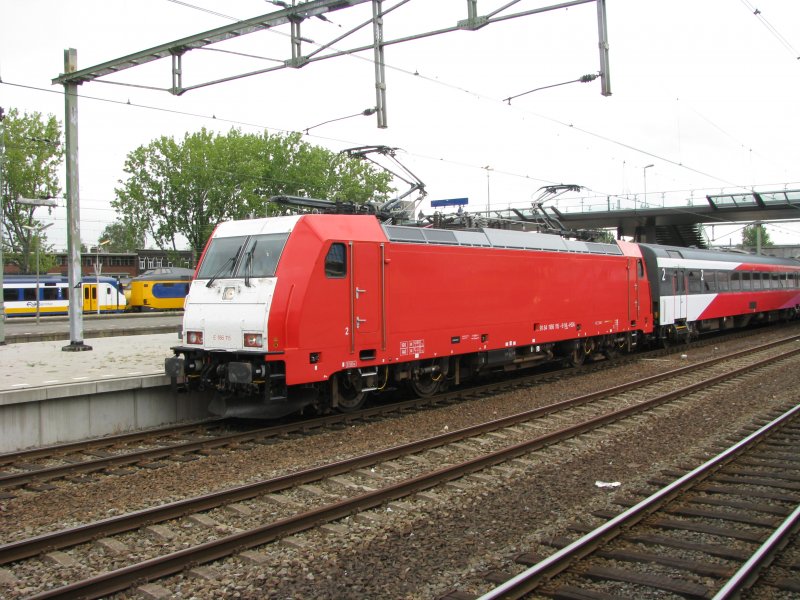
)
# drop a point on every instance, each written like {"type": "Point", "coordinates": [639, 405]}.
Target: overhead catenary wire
{"type": "Point", "coordinates": [584, 78]}
{"type": "Point", "coordinates": [771, 28]}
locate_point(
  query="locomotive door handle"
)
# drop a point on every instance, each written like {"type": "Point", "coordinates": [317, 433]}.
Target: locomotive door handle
{"type": "Point", "coordinates": [359, 321]}
{"type": "Point", "coordinates": [360, 291]}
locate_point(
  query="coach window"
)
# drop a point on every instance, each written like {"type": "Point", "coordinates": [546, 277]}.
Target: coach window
{"type": "Point", "coordinates": [10, 294]}
{"type": "Point", "coordinates": [29, 293]}
{"type": "Point", "coordinates": [336, 261]}
{"type": "Point", "coordinates": [723, 280]}
{"type": "Point", "coordinates": [694, 283]}
{"type": "Point", "coordinates": [711, 281]}
{"type": "Point", "coordinates": [736, 281]}
{"type": "Point", "coordinates": [666, 282]}
{"type": "Point", "coordinates": [50, 293]}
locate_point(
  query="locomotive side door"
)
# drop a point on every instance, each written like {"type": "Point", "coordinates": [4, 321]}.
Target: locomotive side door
{"type": "Point", "coordinates": [635, 276]}
{"type": "Point", "coordinates": [366, 298]}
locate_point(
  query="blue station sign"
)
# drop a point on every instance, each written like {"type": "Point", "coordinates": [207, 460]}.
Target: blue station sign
{"type": "Point", "coordinates": [450, 202]}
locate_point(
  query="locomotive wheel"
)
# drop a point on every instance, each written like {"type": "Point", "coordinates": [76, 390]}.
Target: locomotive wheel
{"type": "Point", "coordinates": [426, 385]}
{"type": "Point", "coordinates": [578, 354]}
{"type": "Point", "coordinates": [614, 349]}
{"type": "Point", "coordinates": [348, 391]}
{"type": "Point", "coordinates": [577, 357]}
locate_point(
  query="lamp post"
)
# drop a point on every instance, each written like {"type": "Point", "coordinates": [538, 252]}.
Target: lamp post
{"type": "Point", "coordinates": [97, 269]}
{"type": "Point", "coordinates": [488, 191]}
{"type": "Point", "coordinates": [644, 172]}
{"type": "Point", "coordinates": [37, 232]}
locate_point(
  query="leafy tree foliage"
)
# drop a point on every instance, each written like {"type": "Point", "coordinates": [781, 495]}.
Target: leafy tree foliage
{"type": "Point", "coordinates": [750, 236]}
{"type": "Point", "coordinates": [185, 188]}
{"type": "Point", "coordinates": [32, 158]}
{"type": "Point", "coordinates": [123, 236]}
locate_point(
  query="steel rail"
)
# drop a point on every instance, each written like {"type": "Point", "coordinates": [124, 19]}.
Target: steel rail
{"type": "Point", "coordinates": [8, 458]}
{"type": "Point", "coordinates": [747, 573]}
{"type": "Point", "coordinates": [528, 580]}
{"type": "Point", "coordinates": [26, 548]}
{"type": "Point", "coordinates": [12, 480]}
{"type": "Point", "coordinates": [172, 563]}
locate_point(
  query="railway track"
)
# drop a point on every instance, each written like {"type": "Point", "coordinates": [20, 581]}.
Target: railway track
{"type": "Point", "coordinates": [707, 534]}
{"type": "Point", "coordinates": [121, 454]}
{"type": "Point", "coordinates": [300, 501]}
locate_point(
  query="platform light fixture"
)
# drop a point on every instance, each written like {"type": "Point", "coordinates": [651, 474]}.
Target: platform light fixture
{"type": "Point", "coordinates": [366, 112]}
{"type": "Point", "coordinates": [644, 173]}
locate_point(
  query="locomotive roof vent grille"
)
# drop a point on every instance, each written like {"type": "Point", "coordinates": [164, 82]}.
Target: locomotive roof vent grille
{"type": "Point", "coordinates": [496, 238]}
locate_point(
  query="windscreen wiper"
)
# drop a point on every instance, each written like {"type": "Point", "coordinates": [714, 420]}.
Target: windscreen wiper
{"type": "Point", "coordinates": [248, 264]}
{"type": "Point", "coordinates": [228, 264]}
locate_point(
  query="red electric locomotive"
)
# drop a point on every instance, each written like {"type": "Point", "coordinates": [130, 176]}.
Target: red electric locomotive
{"type": "Point", "coordinates": [322, 309]}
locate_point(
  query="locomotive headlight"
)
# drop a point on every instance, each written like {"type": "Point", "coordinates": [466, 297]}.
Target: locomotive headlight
{"type": "Point", "coordinates": [194, 337]}
{"type": "Point", "coordinates": [253, 340]}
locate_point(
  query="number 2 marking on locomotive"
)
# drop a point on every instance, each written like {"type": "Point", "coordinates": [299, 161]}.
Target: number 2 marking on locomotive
{"type": "Point", "coordinates": [346, 331]}
{"type": "Point", "coordinates": [663, 274]}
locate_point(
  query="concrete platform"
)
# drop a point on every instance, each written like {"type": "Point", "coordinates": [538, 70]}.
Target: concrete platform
{"type": "Point", "coordinates": [37, 364]}
{"type": "Point", "coordinates": [48, 396]}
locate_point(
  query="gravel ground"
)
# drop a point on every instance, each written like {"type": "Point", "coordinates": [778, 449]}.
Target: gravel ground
{"type": "Point", "coordinates": [436, 544]}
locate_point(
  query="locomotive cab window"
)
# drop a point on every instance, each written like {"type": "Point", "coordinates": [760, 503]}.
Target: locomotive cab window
{"type": "Point", "coordinates": [243, 256]}
{"type": "Point", "coordinates": [261, 254]}
{"type": "Point", "coordinates": [336, 261]}
{"type": "Point", "coordinates": [221, 257]}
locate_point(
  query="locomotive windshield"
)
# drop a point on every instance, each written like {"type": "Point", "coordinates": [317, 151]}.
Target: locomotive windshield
{"type": "Point", "coordinates": [242, 256]}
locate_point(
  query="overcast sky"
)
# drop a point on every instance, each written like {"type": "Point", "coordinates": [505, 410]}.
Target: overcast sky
{"type": "Point", "coordinates": [706, 92]}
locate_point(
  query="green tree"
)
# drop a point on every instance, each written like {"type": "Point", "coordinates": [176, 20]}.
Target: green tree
{"type": "Point", "coordinates": [32, 157]}
{"type": "Point", "coordinates": [750, 236]}
{"type": "Point", "coordinates": [123, 236]}
{"type": "Point", "coordinates": [185, 188]}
